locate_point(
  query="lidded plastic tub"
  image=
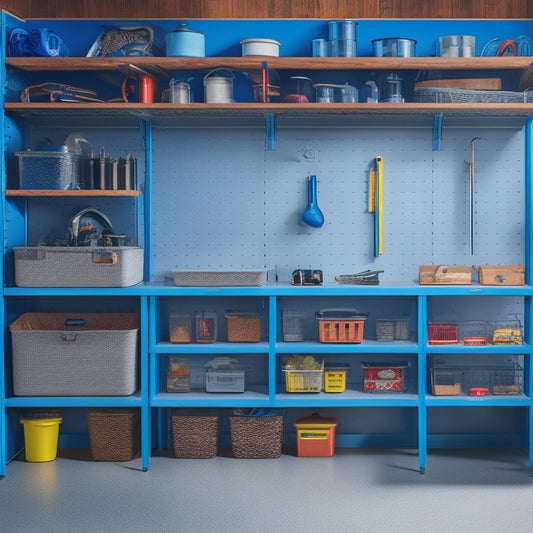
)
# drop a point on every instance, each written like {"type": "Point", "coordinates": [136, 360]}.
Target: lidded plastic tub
{"type": "Point", "coordinates": [315, 436]}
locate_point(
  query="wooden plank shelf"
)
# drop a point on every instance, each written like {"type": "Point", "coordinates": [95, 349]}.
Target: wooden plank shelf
{"type": "Point", "coordinates": [69, 193]}
{"type": "Point", "coordinates": [282, 63]}
{"type": "Point", "coordinates": [43, 110]}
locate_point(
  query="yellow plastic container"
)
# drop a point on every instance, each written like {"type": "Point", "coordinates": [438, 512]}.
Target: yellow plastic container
{"type": "Point", "coordinates": [40, 438]}
{"type": "Point", "coordinates": [335, 377]}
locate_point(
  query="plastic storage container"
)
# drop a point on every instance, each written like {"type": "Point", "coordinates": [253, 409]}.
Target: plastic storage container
{"type": "Point", "coordinates": [243, 327]}
{"type": "Point", "coordinates": [180, 328]}
{"type": "Point", "coordinates": [54, 170]}
{"type": "Point", "coordinates": [340, 325]}
{"type": "Point", "coordinates": [294, 326]}
{"type": "Point", "coordinates": [446, 380]}
{"type": "Point", "coordinates": [385, 377]}
{"type": "Point", "coordinates": [394, 47]}
{"type": "Point", "coordinates": [335, 377]}
{"type": "Point", "coordinates": [206, 327]}
{"type": "Point", "coordinates": [224, 374]}
{"type": "Point", "coordinates": [73, 354]}
{"type": "Point", "coordinates": [78, 266]}
{"type": "Point", "coordinates": [178, 375]}
{"type": "Point", "coordinates": [40, 438]}
{"type": "Point", "coordinates": [315, 436]}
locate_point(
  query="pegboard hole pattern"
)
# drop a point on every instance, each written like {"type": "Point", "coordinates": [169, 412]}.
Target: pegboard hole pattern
{"type": "Point", "coordinates": [222, 201]}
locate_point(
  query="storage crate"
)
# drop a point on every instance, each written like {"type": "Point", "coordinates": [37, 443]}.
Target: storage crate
{"type": "Point", "coordinates": [256, 437]}
{"type": "Point", "coordinates": [335, 377]}
{"type": "Point", "coordinates": [224, 374]}
{"type": "Point", "coordinates": [473, 332]}
{"type": "Point", "coordinates": [243, 327]}
{"type": "Point", "coordinates": [315, 436]}
{"type": "Point", "coordinates": [294, 326]}
{"type": "Point", "coordinates": [340, 326]}
{"type": "Point", "coordinates": [180, 328]}
{"type": "Point", "coordinates": [303, 380]}
{"type": "Point", "coordinates": [194, 433]}
{"type": "Point", "coordinates": [206, 327]}
{"type": "Point", "coordinates": [178, 375]}
{"type": "Point", "coordinates": [78, 266]}
{"type": "Point", "coordinates": [219, 278]}
{"type": "Point", "coordinates": [506, 332]}
{"type": "Point", "coordinates": [442, 333]}
{"type": "Point", "coordinates": [56, 170]}
{"type": "Point", "coordinates": [114, 433]}
{"type": "Point", "coordinates": [75, 354]}
{"type": "Point", "coordinates": [507, 381]}
{"type": "Point", "coordinates": [395, 329]}
{"type": "Point", "coordinates": [385, 377]}
{"type": "Point", "coordinates": [446, 381]}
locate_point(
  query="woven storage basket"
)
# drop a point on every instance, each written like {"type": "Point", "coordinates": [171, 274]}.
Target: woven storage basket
{"type": "Point", "coordinates": [194, 436]}
{"type": "Point", "coordinates": [448, 95]}
{"type": "Point", "coordinates": [114, 433]}
{"type": "Point", "coordinates": [75, 354]}
{"type": "Point", "coordinates": [256, 437]}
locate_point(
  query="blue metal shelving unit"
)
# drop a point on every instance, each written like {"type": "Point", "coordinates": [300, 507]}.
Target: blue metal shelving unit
{"type": "Point", "coordinates": [228, 194]}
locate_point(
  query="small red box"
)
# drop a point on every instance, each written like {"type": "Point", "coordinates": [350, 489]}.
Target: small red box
{"type": "Point", "coordinates": [385, 377]}
{"type": "Point", "coordinates": [315, 436]}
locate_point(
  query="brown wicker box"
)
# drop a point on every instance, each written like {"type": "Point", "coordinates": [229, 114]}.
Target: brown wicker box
{"type": "Point", "coordinates": [243, 327]}
{"type": "Point", "coordinates": [256, 437]}
{"type": "Point", "coordinates": [194, 436]}
{"type": "Point", "coordinates": [114, 433]}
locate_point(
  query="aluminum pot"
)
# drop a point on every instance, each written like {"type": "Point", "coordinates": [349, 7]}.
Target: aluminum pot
{"type": "Point", "coordinates": [260, 47]}
{"type": "Point", "coordinates": [185, 42]}
{"type": "Point", "coordinates": [218, 86]}
{"type": "Point", "coordinates": [394, 47]}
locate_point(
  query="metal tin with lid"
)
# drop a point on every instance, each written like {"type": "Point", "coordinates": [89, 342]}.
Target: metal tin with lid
{"type": "Point", "coordinates": [185, 42]}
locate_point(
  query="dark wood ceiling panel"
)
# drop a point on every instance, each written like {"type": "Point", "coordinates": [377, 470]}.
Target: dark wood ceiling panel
{"type": "Point", "coordinates": [324, 9]}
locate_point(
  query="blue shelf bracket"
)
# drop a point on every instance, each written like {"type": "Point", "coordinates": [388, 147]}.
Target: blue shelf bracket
{"type": "Point", "coordinates": [270, 132]}
{"type": "Point", "coordinates": [437, 131]}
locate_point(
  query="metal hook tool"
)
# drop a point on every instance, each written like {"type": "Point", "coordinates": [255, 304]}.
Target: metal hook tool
{"type": "Point", "coordinates": [472, 193]}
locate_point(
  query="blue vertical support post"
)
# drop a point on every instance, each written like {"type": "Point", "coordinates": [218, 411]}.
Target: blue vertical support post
{"type": "Point", "coordinates": [528, 280]}
{"type": "Point", "coordinates": [3, 412]}
{"type": "Point", "coordinates": [146, 133]}
{"type": "Point", "coordinates": [272, 335]}
{"type": "Point", "coordinates": [270, 132]}
{"type": "Point", "coordinates": [154, 374]}
{"type": "Point", "coordinates": [437, 132]}
{"type": "Point", "coordinates": [145, 391]}
{"type": "Point", "coordinates": [422, 365]}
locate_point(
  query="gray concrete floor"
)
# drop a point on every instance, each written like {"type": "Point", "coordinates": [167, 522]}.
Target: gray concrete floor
{"type": "Point", "coordinates": [485, 491]}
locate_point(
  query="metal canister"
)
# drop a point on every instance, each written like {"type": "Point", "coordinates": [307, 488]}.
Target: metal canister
{"type": "Point", "coordinates": [180, 92]}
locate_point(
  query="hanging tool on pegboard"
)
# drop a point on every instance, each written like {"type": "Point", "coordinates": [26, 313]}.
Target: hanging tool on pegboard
{"type": "Point", "coordinates": [375, 203]}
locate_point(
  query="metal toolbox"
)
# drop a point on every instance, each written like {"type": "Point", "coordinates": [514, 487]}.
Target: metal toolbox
{"type": "Point", "coordinates": [73, 354]}
{"type": "Point", "coordinates": [78, 266]}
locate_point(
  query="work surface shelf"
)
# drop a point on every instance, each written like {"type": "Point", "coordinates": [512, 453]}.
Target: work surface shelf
{"type": "Point", "coordinates": [283, 63]}
{"type": "Point", "coordinates": [165, 110]}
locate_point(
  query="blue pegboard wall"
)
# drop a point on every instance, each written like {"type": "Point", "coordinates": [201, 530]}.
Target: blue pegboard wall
{"type": "Point", "coordinates": [221, 201]}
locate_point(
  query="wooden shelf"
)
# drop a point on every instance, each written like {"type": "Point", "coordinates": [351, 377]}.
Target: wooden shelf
{"type": "Point", "coordinates": [47, 192]}
{"type": "Point", "coordinates": [44, 110]}
{"type": "Point", "coordinates": [283, 63]}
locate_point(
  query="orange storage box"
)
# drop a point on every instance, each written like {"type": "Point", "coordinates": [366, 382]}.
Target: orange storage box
{"type": "Point", "coordinates": [315, 436]}
{"type": "Point", "coordinates": [340, 325]}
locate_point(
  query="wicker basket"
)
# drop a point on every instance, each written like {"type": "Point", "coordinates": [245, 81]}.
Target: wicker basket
{"type": "Point", "coordinates": [195, 436]}
{"type": "Point", "coordinates": [114, 433]}
{"type": "Point", "coordinates": [256, 437]}
{"type": "Point", "coordinates": [446, 95]}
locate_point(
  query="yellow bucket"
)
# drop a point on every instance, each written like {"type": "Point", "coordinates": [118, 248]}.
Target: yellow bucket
{"type": "Point", "coordinates": [40, 438]}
